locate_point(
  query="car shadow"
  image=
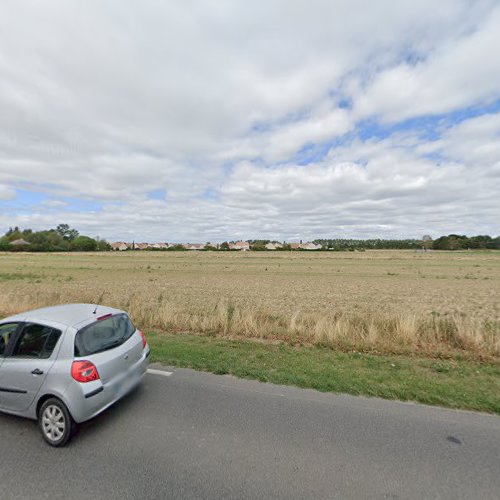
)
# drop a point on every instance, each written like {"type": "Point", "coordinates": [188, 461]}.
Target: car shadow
{"type": "Point", "coordinates": [27, 429]}
{"type": "Point", "coordinates": [109, 417]}
{"type": "Point", "coordinates": [18, 426]}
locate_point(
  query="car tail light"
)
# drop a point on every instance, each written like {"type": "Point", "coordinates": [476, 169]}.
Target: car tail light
{"type": "Point", "coordinates": [144, 341]}
{"type": "Point", "coordinates": [84, 371]}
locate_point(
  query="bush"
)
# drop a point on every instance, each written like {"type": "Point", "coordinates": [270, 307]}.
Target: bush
{"type": "Point", "coordinates": [103, 246]}
{"type": "Point", "coordinates": [83, 244]}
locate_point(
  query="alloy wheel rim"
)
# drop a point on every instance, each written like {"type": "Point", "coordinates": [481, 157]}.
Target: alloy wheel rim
{"type": "Point", "coordinates": [53, 423]}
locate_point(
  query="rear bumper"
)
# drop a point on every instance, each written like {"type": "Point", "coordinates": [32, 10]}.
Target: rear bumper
{"type": "Point", "coordinates": [85, 401]}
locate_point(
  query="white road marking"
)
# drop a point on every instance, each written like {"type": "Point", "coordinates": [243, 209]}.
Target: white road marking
{"type": "Point", "coordinates": [159, 372]}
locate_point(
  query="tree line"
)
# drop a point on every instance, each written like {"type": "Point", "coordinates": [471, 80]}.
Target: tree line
{"type": "Point", "coordinates": [66, 239]}
{"type": "Point", "coordinates": [370, 244]}
{"type": "Point", "coordinates": [450, 242]}
{"type": "Point", "coordinates": [61, 239]}
{"type": "Point", "coordinates": [462, 242]}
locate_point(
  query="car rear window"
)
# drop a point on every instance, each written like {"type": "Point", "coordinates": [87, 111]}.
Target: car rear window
{"type": "Point", "coordinates": [103, 335]}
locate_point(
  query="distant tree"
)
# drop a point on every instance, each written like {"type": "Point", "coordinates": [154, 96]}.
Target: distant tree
{"type": "Point", "coordinates": [259, 245]}
{"type": "Point", "coordinates": [47, 241]}
{"type": "Point", "coordinates": [176, 248]}
{"type": "Point", "coordinates": [224, 246]}
{"type": "Point", "coordinates": [4, 244]}
{"type": "Point", "coordinates": [66, 232]}
{"type": "Point", "coordinates": [371, 244]}
{"type": "Point", "coordinates": [285, 246]}
{"type": "Point", "coordinates": [258, 242]}
{"type": "Point", "coordinates": [426, 242]}
{"type": "Point", "coordinates": [102, 245]}
{"type": "Point", "coordinates": [83, 244]}
{"type": "Point", "coordinates": [440, 243]}
{"type": "Point", "coordinates": [451, 242]}
{"type": "Point", "coordinates": [13, 234]}
{"type": "Point", "coordinates": [481, 242]}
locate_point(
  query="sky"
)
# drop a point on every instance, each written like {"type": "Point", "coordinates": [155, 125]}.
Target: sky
{"type": "Point", "coordinates": [219, 120]}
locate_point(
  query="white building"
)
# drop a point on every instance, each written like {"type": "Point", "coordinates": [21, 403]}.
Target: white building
{"type": "Point", "coordinates": [310, 246]}
{"type": "Point", "coordinates": [239, 245]}
{"type": "Point", "coordinates": [194, 246]}
{"type": "Point", "coordinates": [119, 246]}
{"type": "Point", "coordinates": [273, 246]}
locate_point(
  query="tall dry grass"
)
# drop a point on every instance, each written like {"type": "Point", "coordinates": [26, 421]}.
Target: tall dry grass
{"type": "Point", "coordinates": [363, 331]}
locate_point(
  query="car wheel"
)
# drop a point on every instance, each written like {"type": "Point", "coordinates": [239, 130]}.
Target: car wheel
{"type": "Point", "coordinates": [55, 422]}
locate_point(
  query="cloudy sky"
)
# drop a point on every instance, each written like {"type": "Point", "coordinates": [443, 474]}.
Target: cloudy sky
{"type": "Point", "coordinates": [212, 120]}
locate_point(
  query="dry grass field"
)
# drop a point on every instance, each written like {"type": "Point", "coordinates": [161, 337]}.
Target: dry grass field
{"type": "Point", "coordinates": [439, 304]}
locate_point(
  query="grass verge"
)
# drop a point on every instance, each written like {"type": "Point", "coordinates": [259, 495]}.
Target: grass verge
{"type": "Point", "coordinates": [449, 383]}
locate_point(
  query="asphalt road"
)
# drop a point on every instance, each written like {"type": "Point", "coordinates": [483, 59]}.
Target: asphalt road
{"type": "Point", "coordinates": [194, 435]}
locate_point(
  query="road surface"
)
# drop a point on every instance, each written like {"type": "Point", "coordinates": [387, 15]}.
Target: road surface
{"type": "Point", "coordinates": [195, 435]}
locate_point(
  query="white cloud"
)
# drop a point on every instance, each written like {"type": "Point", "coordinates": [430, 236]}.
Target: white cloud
{"type": "Point", "coordinates": [290, 138]}
{"type": "Point", "coordinates": [460, 73]}
{"type": "Point", "coordinates": [55, 203]}
{"type": "Point", "coordinates": [476, 142]}
{"type": "Point", "coordinates": [6, 192]}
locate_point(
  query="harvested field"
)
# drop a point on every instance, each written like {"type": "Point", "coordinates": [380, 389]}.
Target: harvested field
{"type": "Point", "coordinates": [439, 304]}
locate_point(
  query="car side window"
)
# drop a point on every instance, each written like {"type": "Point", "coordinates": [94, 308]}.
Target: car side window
{"type": "Point", "coordinates": [6, 335]}
{"type": "Point", "coordinates": [36, 341]}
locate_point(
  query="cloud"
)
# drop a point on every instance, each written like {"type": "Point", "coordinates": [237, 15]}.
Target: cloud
{"type": "Point", "coordinates": [457, 74]}
{"type": "Point", "coordinates": [6, 192]}
{"type": "Point", "coordinates": [476, 142]}
{"type": "Point", "coordinates": [249, 116]}
{"type": "Point", "coordinates": [55, 203]}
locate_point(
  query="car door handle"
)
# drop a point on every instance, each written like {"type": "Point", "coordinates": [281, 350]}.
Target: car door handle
{"type": "Point", "coordinates": [37, 371]}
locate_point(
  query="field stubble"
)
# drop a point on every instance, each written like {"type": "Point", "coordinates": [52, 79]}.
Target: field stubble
{"type": "Point", "coordinates": [434, 304]}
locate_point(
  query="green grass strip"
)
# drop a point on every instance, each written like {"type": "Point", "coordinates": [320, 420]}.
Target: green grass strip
{"type": "Point", "coordinates": [448, 383]}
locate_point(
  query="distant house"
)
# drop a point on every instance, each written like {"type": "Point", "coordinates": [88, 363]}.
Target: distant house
{"type": "Point", "coordinates": [273, 246]}
{"type": "Point", "coordinates": [142, 246]}
{"type": "Point", "coordinates": [310, 246]}
{"type": "Point", "coordinates": [294, 246]}
{"type": "Point", "coordinates": [240, 245]}
{"type": "Point", "coordinates": [119, 246]}
{"type": "Point", "coordinates": [159, 246]}
{"type": "Point", "coordinates": [20, 243]}
{"type": "Point", "coordinates": [194, 246]}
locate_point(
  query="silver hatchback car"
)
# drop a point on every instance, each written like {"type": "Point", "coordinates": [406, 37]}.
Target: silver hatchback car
{"type": "Point", "coordinates": [66, 364]}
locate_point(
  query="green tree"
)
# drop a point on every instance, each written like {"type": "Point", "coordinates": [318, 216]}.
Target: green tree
{"type": "Point", "coordinates": [47, 241]}
{"type": "Point", "coordinates": [84, 244]}
{"type": "Point", "coordinates": [176, 248]}
{"type": "Point", "coordinates": [102, 245]}
{"type": "Point", "coordinates": [451, 242]}
{"type": "Point", "coordinates": [4, 244]}
{"type": "Point", "coordinates": [66, 232]}
{"type": "Point", "coordinates": [284, 247]}
{"type": "Point", "coordinates": [13, 234]}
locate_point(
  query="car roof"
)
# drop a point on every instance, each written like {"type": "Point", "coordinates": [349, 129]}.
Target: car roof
{"type": "Point", "coordinates": [66, 314]}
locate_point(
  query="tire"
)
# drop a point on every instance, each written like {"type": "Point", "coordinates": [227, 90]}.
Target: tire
{"type": "Point", "coordinates": [55, 422]}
